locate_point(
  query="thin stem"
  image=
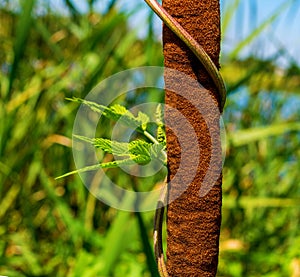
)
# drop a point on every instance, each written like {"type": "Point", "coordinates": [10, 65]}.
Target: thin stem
{"type": "Point", "coordinates": [149, 136]}
{"type": "Point", "coordinates": [154, 140]}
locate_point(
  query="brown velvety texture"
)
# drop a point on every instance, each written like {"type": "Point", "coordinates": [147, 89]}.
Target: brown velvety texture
{"type": "Point", "coordinates": [193, 222]}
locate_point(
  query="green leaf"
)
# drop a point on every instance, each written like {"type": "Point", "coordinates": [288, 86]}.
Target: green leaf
{"type": "Point", "coordinates": [159, 115]}
{"type": "Point", "coordinates": [144, 119]}
{"type": "Point", "coordinates": [126, 117]}
{"type": "Point", "coordinates": [112, 164]}
{"type": "Point", "coordinates": [161, 135]}
{"type": "Point", "coordinates": [119, 109]}
{"type": "Point", "coordinates": [117, 112]}
{"type": "Point", "coordinates": [92, 105]}
{"type": "Point", "coordinates": [139, 147]}
{"type": "Point", "coordinates": [157, 151]}
{"type": "Point", "coordinates": [140, 151]}
{"type": "Point", "coordinates": [137, 151]}
{"type": "Point", "coordinates": [108, 146]}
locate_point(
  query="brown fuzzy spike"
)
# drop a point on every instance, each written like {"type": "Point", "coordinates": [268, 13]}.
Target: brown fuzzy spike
{"type": "Point", "coordinates": [193, 221]}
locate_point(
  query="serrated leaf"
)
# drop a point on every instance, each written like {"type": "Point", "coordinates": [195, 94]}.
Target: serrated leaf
{"type": "Point", "coordinates": [83, 138]}
{"type": "Point", "coordinates": [137, 151]}
{"type": "Point", "coordinates": [139, 147]}
{"type": "Point", "coordinates": [156, 151]}
{"type": "Point", "coordinates": [92, 105]}
{"type": "Point", "coordinates": [144, 119]}
{"type": "Point", "coordinates": [119, 109]}
{"type": "Point", "coordinates": [141, 159]}
{"type": "Point", "coordinates": [104, 144]}
{"type": "Point", "coordinates": [143, 152]}
{"type": "Point", "coordinates": [160, 133]}
{"type": "Point", "coordinates": [88, 168]}
{"type": "Point", "coordinates": [159, 115]}
{"type": "Point", "coordinates": [112, 164]}
{"type": "Point", "coordinates": [126, 117]}
{"type": "Point", "coordinates": [113, 147]}
{"type": "Point", "coordinates": [108, 146]}
{"type": "Point", "coordinates": [116, 112]}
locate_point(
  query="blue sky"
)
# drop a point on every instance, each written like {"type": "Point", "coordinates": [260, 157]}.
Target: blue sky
{"type": "Point", "coordinates": [283, 32]}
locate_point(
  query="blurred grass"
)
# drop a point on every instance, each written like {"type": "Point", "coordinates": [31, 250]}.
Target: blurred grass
{"type": "Point", "coordinates": [57, 228]}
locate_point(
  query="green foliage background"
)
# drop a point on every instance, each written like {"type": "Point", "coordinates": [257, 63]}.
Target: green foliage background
{"type": "Point", "coordinates": [57, 228]}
